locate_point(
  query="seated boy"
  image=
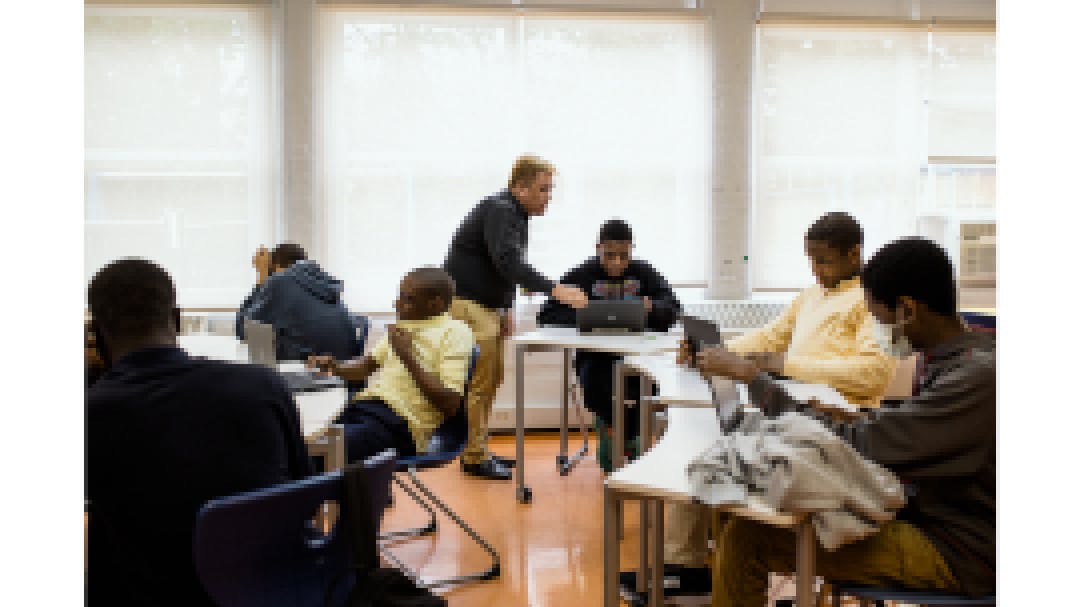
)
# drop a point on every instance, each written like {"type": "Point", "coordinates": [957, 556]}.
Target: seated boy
{"type": "Point", "coordinates": [612, 274]}
{"type": "Point", "coordinates": [941, 441]}
{"type": "Point", "coordinates": [165, 433]}
{"type": "Point", "coordinates": [302, 302]}
{"type": "Point", "coordinates": [825, 336]}
{"type": "Point", "coordinates": [422, 362]}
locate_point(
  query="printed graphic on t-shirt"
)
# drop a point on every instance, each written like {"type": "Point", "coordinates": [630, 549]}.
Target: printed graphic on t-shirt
{"type": "Point", "coordinates": [629, 288]}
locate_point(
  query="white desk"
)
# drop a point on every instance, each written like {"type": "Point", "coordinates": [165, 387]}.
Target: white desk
{"type": "Point", "coordinates": [659, 475]}
{"type": "Point", "coordinates": [317, 409]}
{"type": "Point", "coordinates": [552, 339]}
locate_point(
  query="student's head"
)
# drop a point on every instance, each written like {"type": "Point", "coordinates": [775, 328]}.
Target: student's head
{"type": "Point", "coordinates": [424, 292]}
{"type": "Point", "coordinates": [834, 247]}
{"type": "Point", "coordinates": [531, 183]}
{"type": "Point", "coordinates": [614, 246]}
{"type": "Point", "coordinates": [133, 303]}
{"type": "Point", "coordinates": [285, 255]}
{"type": "Point", "coordinates": [910, 287]}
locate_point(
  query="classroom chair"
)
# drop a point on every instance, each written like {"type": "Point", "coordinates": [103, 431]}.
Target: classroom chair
{"type": "Point", "coordinates": [262, 547]}
{"type": "Point", "coordinates": [445, 446]}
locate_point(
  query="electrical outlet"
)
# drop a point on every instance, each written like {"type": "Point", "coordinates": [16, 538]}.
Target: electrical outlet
{"type": "Point", "coordinates": [502, 418]}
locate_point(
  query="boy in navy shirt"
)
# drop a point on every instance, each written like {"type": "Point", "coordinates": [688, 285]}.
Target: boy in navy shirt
{"type": "Point", "coordinates": [612, 273]}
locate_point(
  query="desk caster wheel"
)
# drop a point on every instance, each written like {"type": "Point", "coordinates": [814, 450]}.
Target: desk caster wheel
{"type": "Point", "coordinates": [524, 495]}
{"type": "Point", "coordinates": [562, 464]}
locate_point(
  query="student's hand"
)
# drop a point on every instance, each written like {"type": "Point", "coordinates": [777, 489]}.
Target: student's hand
{"type": "Point", "coordinates": [715, 361]}
{"type": "Point", "coordinates": [400, 341]}
{"type": "Point", "coordinates": [261, 262]}
{"type": "Point", "coordinates": [685, 355]}
{"type": "Point", "coordinates": [325, 363]}
{"type": "Point", "coordinates": [836, 413]}
{"type": "Point", "coordinates": [570, 295]}
{"type": "Point", "coordinates": [770, 362]}
{"type": "Point", "coordinates": [648, 304]}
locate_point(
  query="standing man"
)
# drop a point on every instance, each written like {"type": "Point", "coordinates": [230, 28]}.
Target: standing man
{"type": "Point", "coordinates": [487, 261]}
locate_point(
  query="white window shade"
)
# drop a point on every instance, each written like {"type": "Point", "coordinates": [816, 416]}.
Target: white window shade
{"type": "Point", "coordinates": [839, 127]}
{"type": "Point", "coordinates": [179, 143]}
{"type": "Point", "coordinates": [961, 104]}
{"type": "Point", "coordinates": [423, 114]}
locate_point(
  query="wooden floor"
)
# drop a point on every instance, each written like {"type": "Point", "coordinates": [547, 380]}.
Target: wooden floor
{"type": "Point", "coordinates": [551, 549]}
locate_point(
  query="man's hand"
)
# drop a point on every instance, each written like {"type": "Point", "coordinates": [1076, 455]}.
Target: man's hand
{"type": "Point", "coordinates": [261, 262]}
{"type": "Point", "coordinates": [570, 295]}
{"type": "Point", "coordinates": [685, 355]}
{"type": "Point", "coordinates": [715, 361]}
{"type": "Point", "coordinates": [506, 324]}
{"type": "Point", "coordinates": [770, 362]}
{"type": "Point", "coordinates": [325, 363]}
{"type": "Point", "coordinates": [836, 413]}
{"type": "Point", "coordinates": [400, 341]}
{"type": "Point", "coordinates": [648, 304]}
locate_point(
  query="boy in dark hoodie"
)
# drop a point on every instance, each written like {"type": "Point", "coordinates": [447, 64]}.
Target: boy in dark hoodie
{"type": "Point", "coordinates": [303, 304]}
{"type": "Point", "coordinates": [612, 274]}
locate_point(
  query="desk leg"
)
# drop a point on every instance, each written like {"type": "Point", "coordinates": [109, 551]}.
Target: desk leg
{"type": "Point", "coordinates": [618, 412]}
{"type": "Point", "coordinates": [805, 547]}
{"type": "Point", "coordinates": [656, 598]}
{"type": "Point", "coordinates": [561, 461]}
{"type": "Point", "coordinates": [643, 545]}
{"type": "Point", "coordinates": [524, 494]}
{"type": "Point", "coordinates": [611, 549]}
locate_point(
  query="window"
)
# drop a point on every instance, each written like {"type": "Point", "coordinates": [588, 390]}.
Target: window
{"type": "Point", "coordinates": [893, 124]}
{"type": "Point", "coordinates": [179, 143]}
{"type": "Point", "coordinates": [424, 113]}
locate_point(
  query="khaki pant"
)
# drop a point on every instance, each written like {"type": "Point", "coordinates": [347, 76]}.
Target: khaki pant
{"type": "Point", "coordinates": [686, 534]}
{"type": "Point", "coordinates": [898, 555]}
{"type": "Point", "coordinates": [487, 375]}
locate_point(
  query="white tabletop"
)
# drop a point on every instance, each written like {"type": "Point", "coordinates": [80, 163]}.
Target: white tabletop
{"type": "Point", "coordinates": [317, 409]}
{"type": "Point", "coordinates": [677, 385]}
{"type": "Point", "coordinates": [220, 347]}
{"type": "Point", "coordinates": [616, 343]}
{"type": "Point", "coordinates": [661, 471]}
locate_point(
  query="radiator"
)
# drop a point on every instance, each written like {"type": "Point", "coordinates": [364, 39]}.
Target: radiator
{"type": "Point", "coordinates": [736, 314]}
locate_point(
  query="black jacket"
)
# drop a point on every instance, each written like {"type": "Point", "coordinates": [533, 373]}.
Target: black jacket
{"type": "Point", "coordinates": [487, 255]}
{"type": "Point", "coordinates": [165, 432]}
{"type": "Point", "coordinates": [303, 304]}
{"type": "Point", "coordinates": [942, 442]}
{"type": "Point", "coordinates": [639, 280]}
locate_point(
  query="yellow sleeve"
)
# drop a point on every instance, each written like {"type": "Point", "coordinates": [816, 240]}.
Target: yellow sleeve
{"type": "Point", "coordinates": [773, 337]}
{"type": "Point", "coordinates": [862, 375]}
{"type": "Point", "coordinates": [454, 359]}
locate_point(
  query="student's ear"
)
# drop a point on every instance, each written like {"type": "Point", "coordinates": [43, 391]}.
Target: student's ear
{"type": "Point", "coordinates": [855, 254]}
{"type": "Point", "coordinates": [436, 305]}
{"type": "Point", "coordinates": [909, 305]}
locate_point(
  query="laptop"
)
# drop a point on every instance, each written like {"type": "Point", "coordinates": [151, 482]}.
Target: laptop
{"type": "Point", "coordinates": [262, 350]}
{"type": "Point", "coordinates": [700, 332]}
{"type": "Point", "coordinates": [612, 316]}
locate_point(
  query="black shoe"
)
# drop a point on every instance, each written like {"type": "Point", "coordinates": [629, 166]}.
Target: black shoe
{"type": "Point", "coordinates": [678, 581]}
{"type": "Point", "coordinates": [489, 469]}
{"type": "Point", "coordinates": [505, 461]}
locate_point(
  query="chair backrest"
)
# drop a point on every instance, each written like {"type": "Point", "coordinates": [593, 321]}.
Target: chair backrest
{"type": "Point", "coordinates": [448, 440]}
{"type": "Point", "coordinates": [261, 548]}
{"type": "Point", "coordinates": [979, 321]}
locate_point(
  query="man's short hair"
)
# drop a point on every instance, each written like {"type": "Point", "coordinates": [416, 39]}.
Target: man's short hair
{"type": "Point", "coordinates": [915, 267]}
{"type": "Point", "coordinates": [615, 229]}
{"type": "Point", "coordinates": [838, 230]}
{"type": "Point", "coordinates": [433, 282]}
{"type": "Point", "coordinates": [527, 167]}
{"type": "Point", "coordinates": [132, 297]}
{"type": "Point", "coordinates": [286, 254]}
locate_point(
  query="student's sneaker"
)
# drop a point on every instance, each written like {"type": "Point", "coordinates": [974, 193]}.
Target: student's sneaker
{"type": "Point", "coordinates": [603, 446]}
{"type": "Point", "coordinates": [680, 582]}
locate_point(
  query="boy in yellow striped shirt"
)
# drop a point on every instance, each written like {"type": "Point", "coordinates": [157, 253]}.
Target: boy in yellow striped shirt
{"type": "Point", "coordinates": [826, 336]}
